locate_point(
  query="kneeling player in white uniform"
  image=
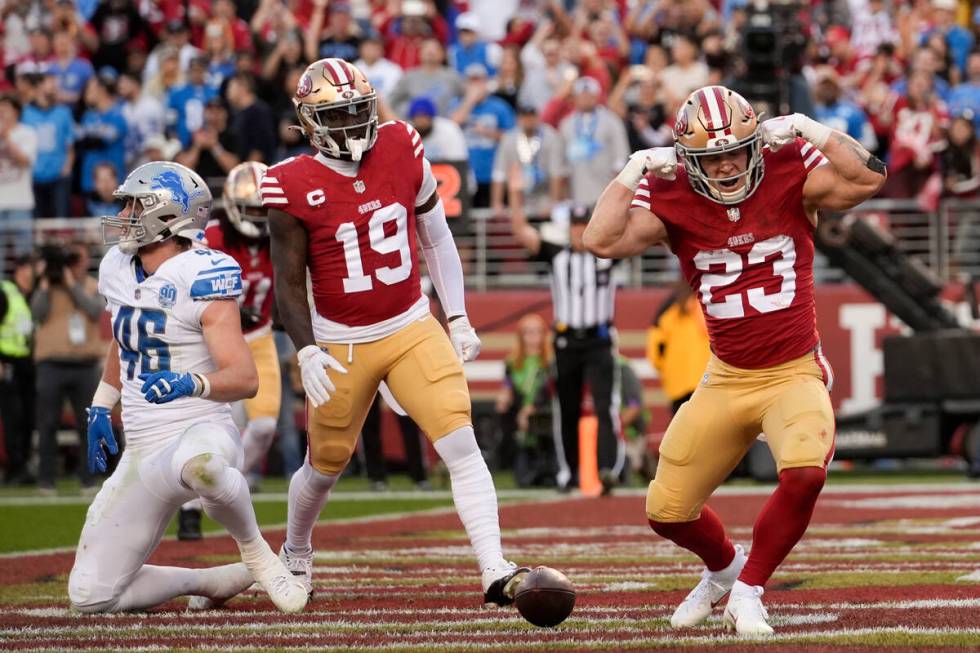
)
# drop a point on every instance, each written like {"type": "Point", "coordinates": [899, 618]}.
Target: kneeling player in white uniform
{"type": "Point", "coordinates": [178, 358]}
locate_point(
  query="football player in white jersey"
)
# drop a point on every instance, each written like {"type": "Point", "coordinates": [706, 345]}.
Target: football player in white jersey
{"type": "Point", "coordinates": [177, 359]}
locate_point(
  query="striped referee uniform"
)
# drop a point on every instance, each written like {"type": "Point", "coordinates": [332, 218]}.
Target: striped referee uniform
{"type": "Point", "coordinates": [583, 291]}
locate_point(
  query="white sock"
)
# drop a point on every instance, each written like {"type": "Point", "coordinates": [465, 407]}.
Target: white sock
{"type": "Point", "coordinates": [256, 440]}
{"type": "Point", "coordinates": [474, 494]}
{"type": "Point", "coordinates": [224, 494]}
{"type": "Point", "coordinates": [308, 493]}
{"type": "Point", "coordinates": [153, 585]}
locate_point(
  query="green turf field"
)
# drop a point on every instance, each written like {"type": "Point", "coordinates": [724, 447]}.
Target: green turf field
{"type": "Point", "coordinates": [29, 522]}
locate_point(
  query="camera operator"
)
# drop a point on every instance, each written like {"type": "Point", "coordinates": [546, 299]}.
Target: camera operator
{"type": "Point", "coordinates": [68, 347]}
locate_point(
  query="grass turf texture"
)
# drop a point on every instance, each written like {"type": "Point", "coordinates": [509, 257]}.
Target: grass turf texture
{"type": "Point", "coordinates": [877, 572]}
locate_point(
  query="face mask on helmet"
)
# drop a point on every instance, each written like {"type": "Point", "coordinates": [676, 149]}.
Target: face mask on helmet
{"type": "Point", "coordinates": [345, 131]}
{"type": "Point", "coordinates": [730, 186]}
{"type": "Point", "coordinates": [162, 200]}
{"type": "Point", "coordinates": [250, 220]}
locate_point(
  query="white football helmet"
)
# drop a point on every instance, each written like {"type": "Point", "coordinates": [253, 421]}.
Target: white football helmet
{"type": "Point", "coordinates": [168, 200]}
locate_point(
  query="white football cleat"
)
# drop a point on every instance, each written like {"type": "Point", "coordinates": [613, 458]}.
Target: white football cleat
{"type": "Point", "coordinates": [301, 566]}
{"type": "Point", "coordinates": [745, 613]}
{"type": "Point", "coordinates": [708, 593]}
{"type": "Point", "coordinates": [231, 580]}
{"type": "Point", "coordinates": [285, 590]}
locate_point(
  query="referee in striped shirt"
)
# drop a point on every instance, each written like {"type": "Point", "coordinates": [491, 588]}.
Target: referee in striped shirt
{"type": "Point", "coordinates": [583, 292]}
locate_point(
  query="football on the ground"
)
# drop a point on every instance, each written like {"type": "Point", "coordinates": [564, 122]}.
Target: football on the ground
{"type": "Point", "coordinates": [545, 597]}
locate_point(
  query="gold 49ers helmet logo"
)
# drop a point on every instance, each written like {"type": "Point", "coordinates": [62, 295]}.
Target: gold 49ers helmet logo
{"type": "Point", "coordinates": [680, 124]}
{"type": "Point", "coordinates": [305, 86]}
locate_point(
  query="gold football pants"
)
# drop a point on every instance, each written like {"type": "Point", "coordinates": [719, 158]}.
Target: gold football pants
{"type": "Point", "coordinates": [423, 373]}
{"type": "Point", "coordinates": [709, 435]}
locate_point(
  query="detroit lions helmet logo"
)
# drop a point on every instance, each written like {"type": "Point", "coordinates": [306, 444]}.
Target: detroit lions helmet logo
{"type": "Point", "coordinates": [171, 181]}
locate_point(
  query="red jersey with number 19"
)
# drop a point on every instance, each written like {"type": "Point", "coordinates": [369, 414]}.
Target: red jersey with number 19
{"type": "Point", "coordinates": [751, 264]}
{"type": "Point", "coordinates": [361, 231]}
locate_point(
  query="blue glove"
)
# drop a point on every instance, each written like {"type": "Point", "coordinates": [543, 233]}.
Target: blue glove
{"type": "Point", "coordinates": [99, 433]}
{"type": "Point", "coordinates": [165, 386]}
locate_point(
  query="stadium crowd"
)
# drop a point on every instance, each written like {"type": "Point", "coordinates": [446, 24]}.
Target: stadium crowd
{"type": "Point", "coordinates": [542, 99]}
{"type": "Point", "coordinates": [95, 87]}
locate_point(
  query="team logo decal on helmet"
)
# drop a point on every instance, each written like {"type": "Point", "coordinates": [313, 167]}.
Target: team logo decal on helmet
{"type": "Point", "coordinates": [337, 109]}
{"type": "Point", "coordinates": [170, 180]}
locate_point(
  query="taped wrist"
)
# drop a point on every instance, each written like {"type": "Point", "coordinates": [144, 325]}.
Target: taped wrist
{"type": "Point", "coordinates": [106, 395]}
{"type": "Point", "coordinates": [813, 131]}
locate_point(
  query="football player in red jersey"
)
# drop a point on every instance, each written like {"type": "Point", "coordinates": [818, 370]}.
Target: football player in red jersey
{"type": "Point", "coordinates": [737, 201]}
{"type": "Point", "coordinates": [352, 214]}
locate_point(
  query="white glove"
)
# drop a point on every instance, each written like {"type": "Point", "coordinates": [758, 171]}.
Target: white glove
{"type": "Point", "coordinates": [464, 339]}
{"type": "Point", "coordinates": [661, 161]}
{"type": "Point", "coordinates": [777, 132]}
{"type": "Point", "coordinates": [313, 364]}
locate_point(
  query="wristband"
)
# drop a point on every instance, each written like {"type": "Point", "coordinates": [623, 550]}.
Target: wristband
{"type": "Point", "coordinates": [202, 386]}
{"type": "Point", "coordinates": [815, 132]}
{"type": "Point", "coordinates": [106, 395]}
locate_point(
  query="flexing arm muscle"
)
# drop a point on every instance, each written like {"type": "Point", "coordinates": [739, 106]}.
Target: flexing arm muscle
{"type": "Point", "coordinates": [853, 176]}
{"type": "Point", "coordinates": [236, 377]}
{"type": "Point", "coordinates": [618, 231]}
{"type": "Point", "coordinates": [289, 266]}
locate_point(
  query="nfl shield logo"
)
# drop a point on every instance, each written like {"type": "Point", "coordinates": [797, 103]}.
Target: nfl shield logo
{"type": "Point", "coordinates": [734, 215]}
{"type": "Point", "coordinates": [359, 186]}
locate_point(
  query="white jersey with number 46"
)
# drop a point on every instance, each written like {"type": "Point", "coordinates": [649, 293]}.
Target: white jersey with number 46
{"type": "Point", "coordinates": [156, 321]}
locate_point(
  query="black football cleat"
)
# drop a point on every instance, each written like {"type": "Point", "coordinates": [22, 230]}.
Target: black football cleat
{"type": "Point", "coordinates": [189, 525]}
{"type": "Point", "coordinates": [501, 591]}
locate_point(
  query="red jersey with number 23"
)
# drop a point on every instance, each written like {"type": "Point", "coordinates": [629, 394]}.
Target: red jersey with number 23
{"type": "Point", "coordinates": [254, 258]}
{"type": "Point", "coordinates": [750, 264]}
{"type": "Point", "coordinates": [360, 230]}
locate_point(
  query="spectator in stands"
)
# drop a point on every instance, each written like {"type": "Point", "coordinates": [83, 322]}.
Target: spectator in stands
{"type": "Point", "coordinates": [966, 96]}
{"type": "Point", "coordinates": [158, 148]}
{"type": "Point", "coordinates": [442, 138]}
{"type": "Point", "coordinates": [253, 121]}
{"type": "Point", "coordinates": [925, 61]}
{"type": "Point", "coordinates": [68, 349]}
{"type": "Point", "coordinates": [873, 24]}
{"type": "Point", "coordinates": [917, 127]}
{"type": "Point", "coordinates": [596, 143]}
{"type": "Point", "coordinates": [470, 48]}
{"type": "Point", "coordinates": [72, 71]}
{"type": "Point", "coordinates": [144, 115]}
{"type": "Point", "coordinates": [26, 76]}
{"type": "Point", "coordinates": [686, 73]}
{"type": "Point", "coordinates": [432, 78]}
{"type": "Point", "coordinates": [55, 129]}
{"type": "Point", "coordinates": [17, 370]}
{"type": "Point", "coordinates": [612, 44]}
{"type": "Point", "coordinates": [960, 167]}
{"type": "Point", "coordinates": [406, 33]}
{"type": "Point", "coordinates": [226, 12]}
{"type": "Point", "coordinates": [545, 71]}
{"type": "Point", "coordinates": [958, 38]}
{"type": "Point", "coordinates": [219, 51]}
{"type": "Point", "coordinates": [636, 99]}
{"type": "Point", "coordinates": [168, 78]}
{"type": "Point", "coordinates": [101, 134]}
{"type": "Point", "coordinates": [292, 142]}
{"type": "Point", "coordinates": [285, 56]}
{"type": "Point", "coordinates": [176, 36]}
{"type": "Point", "coordinates": [381, 72]}
{"type": "Point", "coordinates": [118, 25]}
{"type": "Point", "coordinates": [484, 118]}
{"type": "Point", "coordinates": [841, 114]}
{"type": "Point", "coordinates": [524, 405]}
{"type": "Point", "coordinates": [537, 150]}
{"type": "Point", "coordinates": [271, 21]}
{"type": "Point", "coordinates": [510, 77]}
{"type": "Point", "coordinates": [185, 103]}
{"type": "Point", "coordinates": [100, 201]}
{"type": "Point", "coordinates": [41, 52]}
{"type": "Point", "coordinates": [332, 32]}
{"type": "Point", "coordinates": [18, 151]}
{"type": "Point", "coordinates": [214, 147]}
